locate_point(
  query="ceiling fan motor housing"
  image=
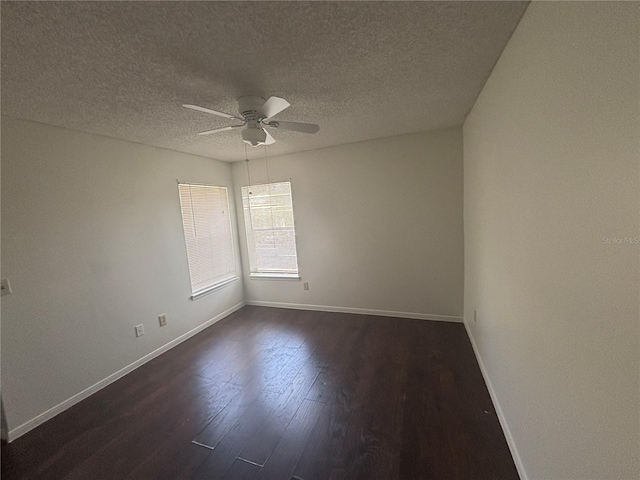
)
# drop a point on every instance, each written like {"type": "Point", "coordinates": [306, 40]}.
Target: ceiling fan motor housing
{"type": "Point", "coordinates": [248, 106]}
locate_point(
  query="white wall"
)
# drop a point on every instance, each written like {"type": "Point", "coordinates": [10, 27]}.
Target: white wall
{"type": "Point", "coordinates": [378, 225]}
{"type": "Point", "coordinates": [551, 166]}
{"type": "Point", "coordinates": [92, 243]}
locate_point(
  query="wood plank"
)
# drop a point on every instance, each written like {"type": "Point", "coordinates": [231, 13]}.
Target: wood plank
{"type": "Point", "coordinates": [250, 397]}
{"type": "Point", "coordinates": [241, 470]}
{"type": "Point", "coordinates": [173, 459]}
{"type": "Point", "coordinates": [281, 464]}
{"type": "Point", "coordinates": [227, 449]}
{"type": "Point", "coordinates": [262, 444]}
{"type": "Point", "coordinates": [339, 443]}
{"type": "Point", "coordinates": [318, 395]}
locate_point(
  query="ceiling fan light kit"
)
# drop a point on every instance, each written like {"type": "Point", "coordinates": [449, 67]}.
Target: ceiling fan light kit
{"type": "Point", "coordinates": [254, 136]}
{"type": "Point", "coordinates": [255, 114]}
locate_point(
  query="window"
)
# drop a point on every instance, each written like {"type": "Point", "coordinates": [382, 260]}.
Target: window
{"type": "Point", "coordinates": [271, 236]}
{"type": "Point", "coordinates": [207, 234]}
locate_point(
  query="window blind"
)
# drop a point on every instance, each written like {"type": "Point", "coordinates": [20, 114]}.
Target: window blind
{"type": "Point", "coordinates": [207, 232]}
{"type": "Point", "coordinates": [271, 238]}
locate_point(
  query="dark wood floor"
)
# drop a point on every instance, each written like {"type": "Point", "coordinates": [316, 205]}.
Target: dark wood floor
{"type": "Point", "coordinates": [284, 394]}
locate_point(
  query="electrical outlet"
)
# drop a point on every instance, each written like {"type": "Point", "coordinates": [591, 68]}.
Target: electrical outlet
{"type": "Point", "coordinates": [305, 285]}
{"type": "Point", "coordinates": [475, 316]}
{"type": "Point", "coordinates": [139, 330]}
{"type": "Point", "coordinates": [5, 287]}
{"type": "Point", "coordinates": [162, 319]}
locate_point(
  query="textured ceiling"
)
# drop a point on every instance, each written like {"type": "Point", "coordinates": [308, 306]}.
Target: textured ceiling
{"type": "Point", "coordinates": [360, 70]}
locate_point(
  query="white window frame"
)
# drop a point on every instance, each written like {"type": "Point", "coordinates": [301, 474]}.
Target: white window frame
{"type": "Point", "coordinates": [255, 271]}
{"type": "Point", "coordinates": [195, 261]}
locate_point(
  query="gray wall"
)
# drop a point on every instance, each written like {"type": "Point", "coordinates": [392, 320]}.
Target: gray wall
{"type": "Point", "coordinates": [92, 243]}
{"type": "Point", "coordinates": [378, 225]}
{"type": "Point", "coordinates": [551, 180]}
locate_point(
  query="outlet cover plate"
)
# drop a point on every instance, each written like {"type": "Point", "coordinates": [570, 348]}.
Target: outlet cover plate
{"type": "Point", "coordinates": [162, 319]}
{"type": "Point", "coordinates": [139, 330]}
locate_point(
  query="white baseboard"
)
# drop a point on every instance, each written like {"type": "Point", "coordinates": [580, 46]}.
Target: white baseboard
{"type": "Point", "coordinates": [12, 434]}
{"type": "Point", "coordinates": [496, 404]}
{"type": "Point", "coordinates": [361, 311]}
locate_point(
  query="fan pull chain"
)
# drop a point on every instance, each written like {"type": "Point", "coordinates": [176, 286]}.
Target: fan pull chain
{"type": "Point", "coordinates": [246, 158]}
{"type": "Point", "coordinates": [266, 161]}
{"type": "Point", "coordinates": [273, 230]}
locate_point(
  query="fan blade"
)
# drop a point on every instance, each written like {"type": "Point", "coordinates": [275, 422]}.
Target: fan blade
{"type": "Point", "coordinates": [212, 112]}
{"type": "Point", "coordinates": [272, 106]}
{"type": "Point", "coordinates": [269, 140]}
{"type": "Point", "coordinates": [216, 130]}
{"type": "Point", "coordinates": [295, 126]}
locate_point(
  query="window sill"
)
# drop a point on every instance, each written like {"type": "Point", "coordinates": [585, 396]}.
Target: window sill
{"type": "Point", "coordinates": [211, 288]}
{"type": "Point", "coordinates": [274, 276]}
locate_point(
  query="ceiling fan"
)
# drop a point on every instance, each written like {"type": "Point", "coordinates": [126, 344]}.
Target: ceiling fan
{"type": "Point", "coordinates": [255, 115]}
